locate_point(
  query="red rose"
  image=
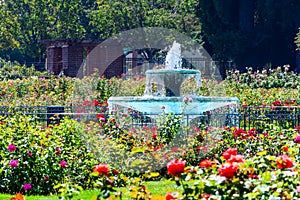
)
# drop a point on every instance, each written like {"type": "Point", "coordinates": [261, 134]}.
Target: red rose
{"type": "Point", "coordinates": [236, 158]}
{"type": "Point", "coordinates": [284, 161]}
{"type": "Point", "coordinates": [115, 172]}
{"type": "Point", "coordinates": [171, 196]}
{"type": "Point", "coordinates": [101, 117]}
{"type": "Point", "coordinates": [176, 167]}
{"type": "Point", "coordinates": [239, 132]}
{"type": "Point", "coordinates": [87, 103]}
{"type": "Point", "coordinates": [154, 136]}
{"type": "Point", "coordinates": [228, 170]}
{"type": "Point", "coordinates": [227, 154]}
{"type": "Point", "coordinates": [285, 148]}
{"type": "Point", "coordinates": [205, 196]}
{"type": "Point", "coordinates": [277, 103]}
{"type": "Point", "coordinates": [95, 102]}
{"type": "Point", "coordinates": [101, 169]}
{"type": "Point", "coordinates": [205, 163]}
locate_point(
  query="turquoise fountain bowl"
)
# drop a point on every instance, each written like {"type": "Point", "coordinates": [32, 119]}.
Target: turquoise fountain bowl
{"type": "Point", "coordinates": [194, 105]}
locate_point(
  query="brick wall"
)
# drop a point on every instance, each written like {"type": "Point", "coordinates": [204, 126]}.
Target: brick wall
{"type": "Point", "coordinates": [57, 60]}
{"type": "Point", "coordinates": [80, 58]}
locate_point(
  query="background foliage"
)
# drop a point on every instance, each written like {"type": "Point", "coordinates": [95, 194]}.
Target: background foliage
{"type": "Point", "coordinates": [22, 86]}
{"type": "Point", "coordinates": [254, 33]}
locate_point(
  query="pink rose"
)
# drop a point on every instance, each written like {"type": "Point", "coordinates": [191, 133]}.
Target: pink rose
{"type": "Point", "coordinates": [14, 163]}
{"type": "Point", "coordinates": [63, 163]}
{"type": "Point", "coordinates": [11, 148]}
{"type": "Point", "coordinates": [27, 186]}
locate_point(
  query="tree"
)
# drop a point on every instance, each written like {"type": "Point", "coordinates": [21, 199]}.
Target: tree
{"type": "Point", "coordinates": [251, 32]}
{"type": "Point", "coordinates": [112, 17]}
{"type": "Point", "coordinates": [9, 27]}
{"type": "Point", "coordinates": [45, 19]}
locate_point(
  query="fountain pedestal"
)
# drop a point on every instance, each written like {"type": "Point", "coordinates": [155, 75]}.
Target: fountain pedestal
{"type": "Point", "coordinates": [168, 82]}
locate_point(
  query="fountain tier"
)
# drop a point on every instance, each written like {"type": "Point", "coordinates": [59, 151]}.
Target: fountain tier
{"type": "Point", "coordinates": [169, 81]}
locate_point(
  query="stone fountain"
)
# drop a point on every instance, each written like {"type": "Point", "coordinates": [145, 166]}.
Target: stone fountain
{"type": "Point", "coordinates": [163, 91]}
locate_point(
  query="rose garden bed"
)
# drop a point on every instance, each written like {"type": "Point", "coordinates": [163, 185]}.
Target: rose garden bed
{"type": "Point", "coordinates": [115, 160]}
{"type": "Point", "coordinates": [59, 159]}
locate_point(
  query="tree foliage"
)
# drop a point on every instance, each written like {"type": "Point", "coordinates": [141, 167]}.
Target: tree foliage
{"type": "Point", "coordinates": [8, 28]}
{"type": "Point", "coordinates": [111, 17]}
{"type": "Point", "coordinates": [251, 32]}
{"type": "Point", "coordinates": [39, 20]}
{"type": "Point", "coordinates": [298, 39]}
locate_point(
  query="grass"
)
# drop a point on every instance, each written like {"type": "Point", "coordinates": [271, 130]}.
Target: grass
{"type": "Point", "coordinates": [157, 188]}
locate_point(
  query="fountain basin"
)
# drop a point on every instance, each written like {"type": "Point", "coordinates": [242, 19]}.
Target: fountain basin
{"type": "Point", "coordinates": [173, 71]}
{"type": "Point", "coordinates": [154, 105]}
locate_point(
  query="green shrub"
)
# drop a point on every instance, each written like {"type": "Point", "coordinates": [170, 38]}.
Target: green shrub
{"type": "Point", "coordinates": [46, 156]}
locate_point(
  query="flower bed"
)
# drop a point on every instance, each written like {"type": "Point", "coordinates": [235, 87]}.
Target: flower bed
{"type": "Point", "coordinates": [35, 158]}
{"type": "Point", "coordinates": [71, 156]}
{"type": "Point", "coordinates": [261, 162]}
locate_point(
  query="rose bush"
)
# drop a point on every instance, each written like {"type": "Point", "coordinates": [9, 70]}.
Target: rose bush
{"type": "Point", "coordinates": [280, 85]}
{"type": "Point", "coordinates": [35, 158]}
{"type": "Point", "coordinates": [251, 167]}
{"type": "Point", "coordinates": [260, 162]}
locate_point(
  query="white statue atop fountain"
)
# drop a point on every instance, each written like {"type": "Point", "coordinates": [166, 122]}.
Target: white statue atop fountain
{"type": "Point", "coordinates": [173, 58]}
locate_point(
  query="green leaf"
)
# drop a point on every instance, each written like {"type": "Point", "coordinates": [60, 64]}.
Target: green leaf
{"type": "Point", "coordinates": [94, 174]}
{"type": "Point", "coordinates": [152, 174]}
{"type": "Point", "coordinates": [266, 177]}
{"type": "Point", "coordinates": [57, 186]}
{"type": "Point", "coordinates": [177, 182]}
{"type": "Point", "coordinates": [138, 150]}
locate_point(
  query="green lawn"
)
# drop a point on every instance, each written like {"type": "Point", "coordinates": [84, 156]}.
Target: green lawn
{"type": "Point", "coordinates": [155, 187]}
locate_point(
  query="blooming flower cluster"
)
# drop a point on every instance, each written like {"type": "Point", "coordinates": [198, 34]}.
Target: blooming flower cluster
{"type": "Point", "coordinates": [102, 169]}
{"type": "Point", "coordinates": [63, 163]}
{"type": "Point", "coordinates": [297, 139]}
{"type": "Point", "coordinates": [176, 167]}
{"type": "Point", "coordinates": [11, 148]}
{"type": "Point", "coordinates": [284, 161]}
{"type": "Point", "coordinates": [27, 186]}
{"type": "Point", "coordinates": [241, 133]}
{"type": "Point", "coordinates": [228, 170]}
{"type": "Point", "coordinates": [206, 163]}
{"type": "Point", "coordinates": [230, 167]}
{"type": "Point", "coordinates": [14, 163]}
{"type": "Point", "coordinates": [284, 103]}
